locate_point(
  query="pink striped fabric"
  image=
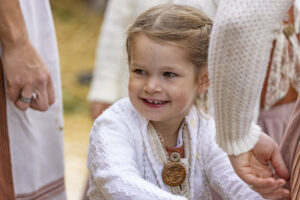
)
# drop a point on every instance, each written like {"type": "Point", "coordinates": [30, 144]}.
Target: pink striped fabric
{"type": "Point", "coordinates": [295, 177]}
{"type": "Point", "coordinates": [290, 150]}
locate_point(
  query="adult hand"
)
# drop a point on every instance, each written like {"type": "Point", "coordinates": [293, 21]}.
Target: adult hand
{"type": "Point", "coordinates": [97, 108]}
{"type": "Point", "coordinates": [254, 168]}
{"type": "Point", "coordinates": [26, 74]}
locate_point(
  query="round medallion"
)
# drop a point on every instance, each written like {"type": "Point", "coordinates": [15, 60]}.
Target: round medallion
{"type": "Point", "coordinates": [173, 174]}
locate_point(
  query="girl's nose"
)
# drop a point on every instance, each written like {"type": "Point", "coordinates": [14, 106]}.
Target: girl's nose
{"type": "Point", "coordinates": [152, 85]}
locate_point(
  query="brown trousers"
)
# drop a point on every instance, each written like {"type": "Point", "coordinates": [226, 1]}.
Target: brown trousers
{"type": "Point", "coordinates": [6, 179]}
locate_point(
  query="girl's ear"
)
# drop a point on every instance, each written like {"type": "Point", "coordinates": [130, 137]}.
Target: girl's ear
{"type": "Point", "coordinates": [203, 82]}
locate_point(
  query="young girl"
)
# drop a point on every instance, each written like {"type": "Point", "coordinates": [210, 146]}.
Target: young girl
{"type": "Point", "coordinates": [157, 144]}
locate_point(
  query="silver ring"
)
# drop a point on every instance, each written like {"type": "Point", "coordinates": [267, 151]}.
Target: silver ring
{"type": "Point", "coordinates": [24, 99]}
{"type": "Point", "coordinates": [250, 186]}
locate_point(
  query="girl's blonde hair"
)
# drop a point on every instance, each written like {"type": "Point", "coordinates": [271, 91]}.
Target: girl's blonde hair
{"type": "Point", "coordinates": [183, 26]}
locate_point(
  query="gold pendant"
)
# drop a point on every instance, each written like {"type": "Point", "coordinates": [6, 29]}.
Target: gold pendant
{"type": "Point", "coordinates": [173, 174]}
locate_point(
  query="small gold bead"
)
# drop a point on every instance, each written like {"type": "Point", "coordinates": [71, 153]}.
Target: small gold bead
{"type": "Point", "coordinates": [288, 30]}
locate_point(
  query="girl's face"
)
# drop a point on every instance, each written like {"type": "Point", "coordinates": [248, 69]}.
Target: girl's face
{"type": "Point", "coordinates": [162, 83]}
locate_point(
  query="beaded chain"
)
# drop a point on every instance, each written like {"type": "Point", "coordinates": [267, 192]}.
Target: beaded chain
{"type": "Point", "coordinates": [160, 153]}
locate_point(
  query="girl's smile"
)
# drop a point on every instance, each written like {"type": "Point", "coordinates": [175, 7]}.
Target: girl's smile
{"type": "Point", "coordinates": [154, 103]}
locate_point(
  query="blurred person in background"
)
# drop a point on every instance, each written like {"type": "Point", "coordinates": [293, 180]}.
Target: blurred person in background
{"type": "Point", "coordinates": [31, 125]}
{"type": "Point", "coordinates": [237, 77]}
{"type": "Point", "coordinates": [282, 83]}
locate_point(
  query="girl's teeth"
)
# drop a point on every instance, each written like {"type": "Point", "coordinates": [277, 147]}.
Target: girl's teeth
{"type": "Point", "coordinates": [155, 102]}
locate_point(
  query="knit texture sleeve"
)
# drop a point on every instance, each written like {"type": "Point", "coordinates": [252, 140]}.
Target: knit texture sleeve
{"type": "Point", "coordinates": [111, 69]}
{"type": "Point", "coordinates": [219, 172]}
{"type": "Point", "coordinates": [112, 161]}
{"type": "Point", "coordinates": [239, 51]}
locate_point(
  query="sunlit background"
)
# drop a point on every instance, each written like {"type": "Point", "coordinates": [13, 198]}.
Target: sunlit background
{"type": "Point", "coordinates": [77, 24]}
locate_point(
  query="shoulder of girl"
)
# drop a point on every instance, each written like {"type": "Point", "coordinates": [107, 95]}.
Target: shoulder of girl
{"type": "Point", "coordinates": [119, 110]}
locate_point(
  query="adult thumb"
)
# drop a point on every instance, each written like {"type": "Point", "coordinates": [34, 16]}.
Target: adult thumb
{"type": "Point", "coordinates": [279, 165]}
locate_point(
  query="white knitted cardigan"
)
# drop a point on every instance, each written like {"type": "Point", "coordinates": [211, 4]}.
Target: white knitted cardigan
{"type": "Point", "coordinates": [124, 167]}
{"type": "Point", "coordinates": [239, 52]}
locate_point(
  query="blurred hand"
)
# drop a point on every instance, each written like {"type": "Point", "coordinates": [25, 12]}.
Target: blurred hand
{"type": "Point", "coordinates": [97, 108]}
{"type": "Point", "coordinates": [26, 73]}
{"type": "Point", "coordinates": [253, 167]}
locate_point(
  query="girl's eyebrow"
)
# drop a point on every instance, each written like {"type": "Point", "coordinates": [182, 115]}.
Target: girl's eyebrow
{"type": "Point", "coordinates": [169, 67]}
{"type": "Point", "coordinates": [137, 65]}
{"type": "Point", "coordinates": [165, 68]}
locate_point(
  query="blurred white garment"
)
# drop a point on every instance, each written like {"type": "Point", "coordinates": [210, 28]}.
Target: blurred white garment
{"type": "Point", "coordinates": [36, 138]}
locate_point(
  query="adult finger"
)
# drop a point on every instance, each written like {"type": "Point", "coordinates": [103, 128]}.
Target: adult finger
{"type": "Point", "coordinates": [279, 165]}
{"type": "Point", "coordinates": [13, 91]}
{"type": "Point", "coordinates": [278, 194]}
{"type": "Point", "coordinates": [24, 99]}
{"type": "Point", "coordinates": [50, 91]}
{"type": "Point", "coordinates": [41, 102]}
{"type": "Point", "coordinates": [255, 181]}
{"type": "Point", "coordinates": [269, 189]}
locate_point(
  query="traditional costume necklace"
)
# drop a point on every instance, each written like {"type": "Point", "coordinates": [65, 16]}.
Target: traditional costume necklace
{"type": "Point", "coordinates": [176, 169]}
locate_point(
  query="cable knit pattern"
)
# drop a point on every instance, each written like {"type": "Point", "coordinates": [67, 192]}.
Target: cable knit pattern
{"type": "Point", "coordinates": [123, 166]}
{"type": "Point", "coordinates": [240, 47]}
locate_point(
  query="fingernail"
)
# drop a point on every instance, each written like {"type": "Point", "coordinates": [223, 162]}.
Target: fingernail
{"type": "Point", "coordinates": [270, 181]}
{"type": "Point", "coordinates": [285, 195]}
{"type": "Point", "coordinates": [281, 181]}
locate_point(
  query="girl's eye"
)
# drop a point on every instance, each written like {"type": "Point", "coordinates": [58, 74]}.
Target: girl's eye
{"type": "Point", "coordinates": [139, 71]}
{"type": "Point", "coordinates": [169, 74]}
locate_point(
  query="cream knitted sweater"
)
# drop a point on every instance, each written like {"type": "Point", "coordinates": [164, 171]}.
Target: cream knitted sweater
{"type": "Point", "coordinates": [238, 58]}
